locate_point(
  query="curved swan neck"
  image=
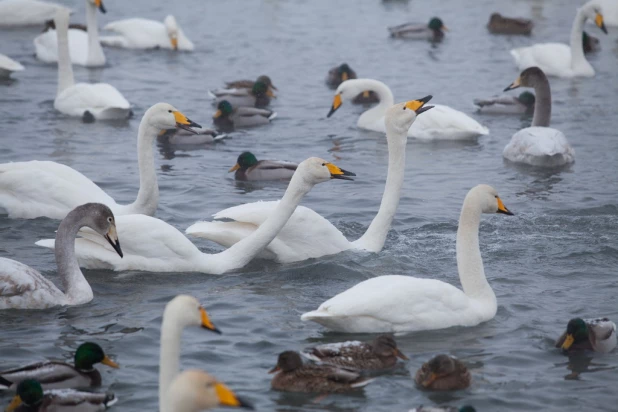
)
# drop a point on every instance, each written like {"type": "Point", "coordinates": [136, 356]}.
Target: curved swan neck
{"type": "Point", "coordinates": [169, 358]}
{"type": "Point", "coordinates": [95, 51]}
{"type": "Point", "coordinates": [384, 94]}
{"type": "Point", "coordinates": [375, 236]}
{"type": "Point", "coordinates": [76, 287]}
{"type": "Point", "coordinates": [65, 68]}
{"type": "Point", "coordinates": [469, 261]}
{"type": "Point", "coordinates": [148, 194]}
{"type": "Point", "coordinates": [542, 106]}
{"type": "Point", "coordinates": [578, 60]}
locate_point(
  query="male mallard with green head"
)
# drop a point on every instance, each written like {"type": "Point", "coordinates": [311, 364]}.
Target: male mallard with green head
{"type": "Point", "coordinates": [258, 96]}
{"type": "Point", "coordinates": [248, 84]}
{"type": "Point", "coordinates": [443, 373]}
{"type": "Point", "coordinates": [597, 335]}
{"type": "Point", "coordinates": [248, 168]}
{"type": "Point", "coordinates": [228, 117]}
{"type": "Point", "coordinates": [434, 31]}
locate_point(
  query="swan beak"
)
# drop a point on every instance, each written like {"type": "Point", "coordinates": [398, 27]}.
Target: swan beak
{"type": "Point", "coordinates": [336, 104]}
{"type": "Point", "coordinates": [598, 20]}
{"type": "Point", "coordinates": [401, 355]}
{"type": "Point", "coordinates": [514, 85]}
{"type": "Point", "coordinates": [112, 238]}
{"type": "Point", "coordinates": [275, 369]}
{"type": "Point", "coordinates": [229, 398]}
{"type": "Point", "coordinates": [99, 4]}
{"type": "Point", "coordinates": [568, 342]}
{"type": "Point", "coordinates": [234, 168]}
{"type": "Point", "coordinates": [107, 361]}
{"type": "Point", "coordinates": [174, 41]}
{"type": "Point", "coordinates": [502, 208]}
{"type": "Point", "coordinates": [338, 173]}
{"type": "Point", "coordinates": [419, 105]}
{"type": "Point", "coordinates": [431, 379]}
{"type": "Point", "coordinates": [344, 76]}
{"type": "Point", "coordinates": [206, 323]}
{"type": "Point", "coordinates": [15, 403]}
{"type": "Point", "coordinates": [183, 122]}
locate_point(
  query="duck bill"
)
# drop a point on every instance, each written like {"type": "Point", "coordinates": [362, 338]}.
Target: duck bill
{"type": "Point", "coordinates": [217, 114]}
{"type": "Point", "coordinates": [514, 85]}
{"type": "Point", "coordinates": [419, 105]}
{"type": "Point", "coordinates": [229, 398]}
{"type": "Point", "coordinates": [503, 209]}
{"type": "Point", "coordinates": [336, 104]}
{"type": "Point", "coordinates": [15, 403]}
{"type": "Point", "coordinates": [431, 379]}
{"type": "Point", "coordinates": [99, 4]}
{"type": "Point", "coordinates": [206, 323]}
{"type": "Point", "coordinates": [107, 361]}
{"type": "Point", "coordinates": [400, 355]}
{"type": "Point", "coordinates": [275, 369]}
{"type": "Point", "coordinates": [234, 168]}
{"type": "Point", "coordinates": [270, 93]}
{"type": "Point", "coordinates": [568, 342]}
{"type": "Point", "coordinates": [344, 76]}
{"type": "Point", "coordinates": [444, 28]}
{"type": "Point", "coordinates": [112, 238]}
{"type": "Point", "coordinates": [337, 173]}
{"type": "Point", "coordinates": [182, 122]}
{"type": "Point", "coordinates": [598, 20]}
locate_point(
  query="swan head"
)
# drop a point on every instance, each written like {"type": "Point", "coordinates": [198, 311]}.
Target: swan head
{"type": "Point", "coordinates": [98, 4]}
{"type": "Point", "coordinates": [99, 218]}
{"type": "Point", "coordinates": [89, 353]}
{"type": "Point", "coordinates": [172, 30]}
{"type": "Point", "coordinates": [287, 361]}
{"type": "Point", "coordinates": [29, 393]}
{"type": "Point", "coordinates": [315, 170]}
{"type": "Point", "coordinates": [195, 390]}
{"type": "Point", "coordinates": [592, 10]}
{"type": "Point", "coordinates": [347, 90]}
{"type": "Point", "coordinates": [385, 346]}
{"type": "Point", "coordinates": [399, 117]}
{"type": "Point", "coordinates": [488, 199]}
{"type": "Point", "coordinates": [187, 311]}
{"type": "Point", "coordinates": [164, 116]}
{"type": "Point", "coordinates": [436, 24]}
{"type": "Point", "coordinates": [530, 77]}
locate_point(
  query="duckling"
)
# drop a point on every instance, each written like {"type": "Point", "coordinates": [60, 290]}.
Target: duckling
{"type": "Point", "coordinates": [247, 167]}
{"type": "Point", "coordinates": [258, 96]}
{"type": "Point", "coordinates": [443, 373]}
{"type": "Point", "coordinates": [382, 353]}
{"type": "Point", "coordinates": [524, 103]}
{"type": "Point", "coordinates": [422, 408]}
{"type": "Point", "coordinates": [498, 24]}
{"type": "Point", "coordinates": [248, 84]}
{"type": "Point", "coordinates": [434, 31]}
{"type": "Point", "coordinates": [597, 335]}
{"type": "Point", "coordinates": [60, 375]}
{"type": "Point", "coordinates": [340, 74]}
{"type": "Point", "coordinates": [293, 376]}
{"type": "Point", "coordinates": [30, 398]}
{"type": "Point", "coordinates": [591, 43]}
{"type": "Point", "coordinates": [228, 118]}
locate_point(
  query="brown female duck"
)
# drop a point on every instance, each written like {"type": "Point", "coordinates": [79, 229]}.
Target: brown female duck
{"type": "Point", "coordinates": [443, 373]}
{"type": "Point", "coordinates": [340, 74]}
{"type": "Point", "coordinates": [498, 24]}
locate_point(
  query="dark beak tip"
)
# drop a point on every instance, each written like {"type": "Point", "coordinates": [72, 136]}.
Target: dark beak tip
{"type": "Point", "coordinates": [245, 403]}
{"type": "Point", "coordinates": [426, 98]}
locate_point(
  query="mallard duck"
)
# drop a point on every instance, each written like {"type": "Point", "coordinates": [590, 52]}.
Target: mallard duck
{"type": "Point", "coordinates": [433, 31]}
{"type": "Point", "coordinates": [61, 375]}
{"type": "Point", "coordinates": [422, 408]}
{"type": "Point", "coordinates": [340, 74]}
{"type": "Point", "coordinates": [293, 376]}
{"type": "Point", "coordinates": [248, 84]}
{"type": "Point", "coordinates": [498, 24]}
{"type": "Point", "coordinates": [381, 353]}
{"type": "Point", "coordinates": [184, 137]}
{"type": "Point", "coordinates": [597, 335]}
{"type": "Point", "coordinates": [524, 103]}
{"type": "Point", "coordinates": [591, 43]}
{"type": "Point", "coordinates": [30, 398]}
{"type": "Point", "coordinates": [228, 117]}
{"type": "Point", "coordinates": [258, 96]}
{"type": "Point", "coordinates": [443, 373]}
{"type": "Point", "coordinates": [247, 167]}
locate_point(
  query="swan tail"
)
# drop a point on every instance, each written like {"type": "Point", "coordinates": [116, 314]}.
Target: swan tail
{"type": "Point", "coordinates": [315, 316]}
{"type": "Point", "coordinates": [47, 243]}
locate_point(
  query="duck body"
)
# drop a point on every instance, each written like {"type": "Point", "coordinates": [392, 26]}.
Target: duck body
{"type": "Point", "coordinates": [248, 168]}
{"type": "Point", "coordinates": [31, 398]}
{"type": "Point", "coordinates": [539, 146]}
{"type": "Point", "coordinates": [15, 13]}
{"type": "Point", "coordinates": [249, 84]}
{"type": "Point", "coordinates": [54, 375]}
{"type": "Point", "coordinates": [8, 66]}
{"type": "Point", "coordinates": [240, 98]}
{"type": "Point", "coordinates": [523, 104]}
{"type": "Point", "coordinates": [139, 33]}
{"type": "Point", "coordinates": [443, 373]}
{"type": "Point", "coordinates": [415, 31]}
{"type": "Point", "coordinates": [499, 24]}
{"type": "Point", "coordinates": [228, 118]}
{"type": "Point", "coordinates": [598, 335]}
{"type": "Point", "coordinates": [183, 137]}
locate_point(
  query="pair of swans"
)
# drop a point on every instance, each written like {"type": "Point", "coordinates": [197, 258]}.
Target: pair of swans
{"type": "Point", "coordinates": [395, 303]}
{"type": "Point", "coordinates": [49, 189]}
{"type": "Point", "coordinates": [557, 59]}
{"type": "Point", "coordinates": [97, 101]}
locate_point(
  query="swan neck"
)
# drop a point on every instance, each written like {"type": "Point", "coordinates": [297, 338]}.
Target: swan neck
{"type": "Point", "coordinates": [169, 360]}
{"type": "Point", "coordinates": [65, 68]}
{"type": "Point", "coordinates": [148, 194]}
{"type": "Point", "coordinates": [95, 51]}
{"type": "Point", "coordinates": [76, 287]}
{"type": "Point", "coordinates": [578, 60]}
{"type": "Point", "coordinates": [542, 107]}
{"type": "Point", "coordinates": [384, 94]}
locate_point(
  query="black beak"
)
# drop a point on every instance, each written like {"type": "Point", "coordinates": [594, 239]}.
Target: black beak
{"type": "Point", "coordinates": [603, 28]}
{"type": "Point", "coordinates": [506, 212]}
{"type": "Point", "coordinates": [115, 245]}
{"type": "Point", "coordinates": [332, 110]}
{"type": "Point", "coordinates": [345, 176]}
{"type": "Point", "coordinates": [4, 382]}
{"type": "Point", "coordinates": [102, 8]}
{"type": "Point", "coordinates": [245, 403]}
{"type": "Point", "coordinates": [423, 109]}
{"type": "Point", "coordinates": [213, 329]}
{"type": "Point", "coordinates": [188, 127]}
{"type": "Point", "coordinates": [511, 87]}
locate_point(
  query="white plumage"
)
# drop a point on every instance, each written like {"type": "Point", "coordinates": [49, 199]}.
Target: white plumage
{"type": "Point", "coordinates": [138, 33]}
{"type": "Point", "coordinates": [14, 13]}
{"type": "Point", "coordinates": [8, 66]}
{"type": "Point", "coordinates": [539, 146]}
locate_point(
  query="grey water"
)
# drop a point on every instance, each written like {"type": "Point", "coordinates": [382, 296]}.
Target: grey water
{"type": "Point", "coordinates": [554, 260]}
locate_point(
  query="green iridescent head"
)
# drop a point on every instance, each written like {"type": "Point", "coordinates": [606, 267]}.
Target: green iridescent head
{"type": "Point", "coordinates": [259, 88]}
{"type": "Point", "coordinates": [436, 24]}
{"type": "Point", "coordinates": [527, 99]}
{"type": "Point", "coordinates": [87, 354]}
{"type": "Point", "coordinates": [29, 392]}
{"type": "Point", "coordinates": [246, 160]}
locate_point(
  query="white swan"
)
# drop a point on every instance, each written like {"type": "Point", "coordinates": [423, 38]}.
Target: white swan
{"type": "Point", "coordinates": [406, 304]}
{"type": "Point", "coordinates": [152, 245]}
{"type": "Point", "coordinates": [96, 101]}
{"type": "Point", "coordinates": [307, 234]}
{"type": "Point", "coordinates": [22, 287]}
{"type": "Point", "coordinates": [8, 66]}
{"type": "Point", "coordinates": [538, 145]}
{"type": "Point", "coordinates": [43, 188]}
{"type": "Point", "coordinates": [557, 59]}
{"type": "Point", "coordinates": [610, 11]}
{"type": "Point", "coordinates": [179, 313]}
{"type": "Point", "coordinates": [85, 48]}
{"type": "Point", "coordinates": [14, 13]}
{"type": "Point", "coordinates": [441, 123]}
{"type": "Point", "coordinates": [195, 390]}
{"type": "Point", "coordinates": [138, 33]}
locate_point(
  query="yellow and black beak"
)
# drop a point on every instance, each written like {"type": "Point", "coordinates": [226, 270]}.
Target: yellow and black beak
{"type": "Point", "coordinates": [502, 209]}
{"type": "Point", "coordinates": [229, 398]}
{"type": "Point", "coordinates": [419, 105]}
{"type": "Point", "coordinates": [16, 402]}
{"type": "Point", "coordinates": [338, 173]}
{"type": "Point", "coordinates": [400, 355]}
{"type": "Point", "coordinates": [598, 20]}
{"type": "Point", "coordinates": [234, 168]}
{"type": "Point", "coordinates": [182, 122]}
{"type": "Point", "coordinates": [275, 369]}
{"type": "Point", "coordinates": [514, 85]}
{"type": "Point", "coordinates": [174, 41]}
{"type": "Point", "coordinates": [206, 323]}
{"type": "Point", "coordinates": [336, 104]}
{"type": "Point", "coordinates": [99, 4]}
{"type": "Point", "coordinates": [568, 342]}
{"type": "Point", "coordinates": [107, 361]}
{"type": "Point", "coordinates": [112, 238]}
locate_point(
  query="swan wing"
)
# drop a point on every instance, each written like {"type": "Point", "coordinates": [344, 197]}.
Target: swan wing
{"type": "Point", "coordinates": [539, 146]}
{"type": "Point", "coordinates": [445, 123]}
{"type": "Point", "coordinates": [102, 100]}
{"type": "Point", "coordinates": [46, 46]}
{"type": "Point", "coordinates": [138, 33]}
{"type": "Point", "coordinates": [22, 287]}
{"type": "Point", "coordinates": [553, 58]}
{"type": "Point", "coordinates": [43, 188]}
{"type": "Point", "coordinates": [27, 12]}
{"type": "Point", "coordinates": [9, 64]}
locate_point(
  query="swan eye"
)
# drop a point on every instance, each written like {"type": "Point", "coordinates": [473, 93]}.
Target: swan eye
{"type": "Point", "coordinates": [496, 196]}
{"type": "Point", "coordinates": [404, 107]}
{"type": "Point", "coordinates": [323, 164]}
{"type": "Point", "coordinates": [169, 111]}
